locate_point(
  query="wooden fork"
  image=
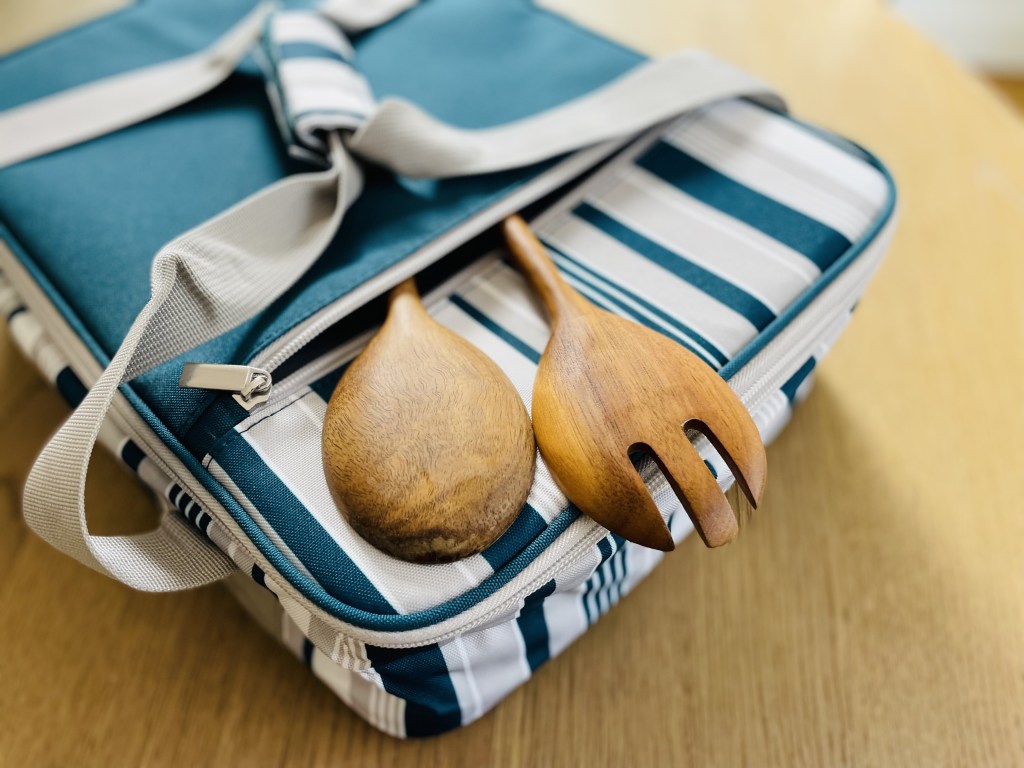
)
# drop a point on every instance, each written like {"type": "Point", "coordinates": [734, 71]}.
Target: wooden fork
{"type": "Point", "coordinates": [607, 388]}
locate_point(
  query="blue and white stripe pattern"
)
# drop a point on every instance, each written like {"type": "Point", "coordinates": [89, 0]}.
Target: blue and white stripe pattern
{"type": "Point", "coordinates": [664, 238]}
{"type": "Point", "coordinates": [707, 234]}
{"type": "Point", "coordinates": [37, 346]}
{"type": "Point", "coordinates": [312, 82]}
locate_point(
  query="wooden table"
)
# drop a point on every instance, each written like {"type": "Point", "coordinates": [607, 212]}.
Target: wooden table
{"type": "Point", "coordinates": [871, 614]}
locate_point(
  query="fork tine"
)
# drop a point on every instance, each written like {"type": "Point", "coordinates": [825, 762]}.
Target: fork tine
{"type": "Point", "coordinates": [620, 501]}
{"type": "Point", "coordinates": [736, 438]}
{"type": "Point", "coordinates": [697, 489]}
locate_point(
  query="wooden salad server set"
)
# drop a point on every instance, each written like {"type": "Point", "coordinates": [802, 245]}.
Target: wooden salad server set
{"type": "Point", "coordinates": [429, 452]}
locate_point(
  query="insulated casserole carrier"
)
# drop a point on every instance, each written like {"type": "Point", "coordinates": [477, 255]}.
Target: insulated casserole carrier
{"type": "Point", "coordinates": [309, 178]}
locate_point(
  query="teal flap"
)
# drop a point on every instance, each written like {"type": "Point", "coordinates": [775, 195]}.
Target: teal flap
{"type": "Point", "coordinates": [87, 220]}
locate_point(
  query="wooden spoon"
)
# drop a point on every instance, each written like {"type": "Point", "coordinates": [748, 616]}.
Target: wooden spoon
{"type": "Point", "coordinates": [606, 388]}
{"type": "Point", "coordinates": [427, 446]}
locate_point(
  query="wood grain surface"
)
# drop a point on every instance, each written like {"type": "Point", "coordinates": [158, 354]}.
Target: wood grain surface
{"type": "Point", "coordinates": [870, 613]}
{"type": "Point", "coordinates": [596, 382]}
{"type": "Point", "coordinates": [1011, 89]}
{"type": "Point", "coordinates": [428, 449]}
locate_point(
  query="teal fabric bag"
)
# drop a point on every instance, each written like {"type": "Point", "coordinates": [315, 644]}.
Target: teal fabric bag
{"type": "Point", "coordinates": [791, 224]}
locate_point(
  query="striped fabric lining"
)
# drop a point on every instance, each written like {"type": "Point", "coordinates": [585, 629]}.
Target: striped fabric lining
{"type": "Point", "coordinates": [663, 239]}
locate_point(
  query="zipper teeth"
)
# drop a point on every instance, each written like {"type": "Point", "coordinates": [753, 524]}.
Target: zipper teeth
{"type": "Point", "coordinates": [763, 383]}
{"type": "Point", "coordinates": [752, 395]}
{"type": "Point", "coordinates": [780, 371]}
{"type": "Point", "coordinates": [332, 359]}
{"type": "Point", "coordinates": [314, 369]}
{"type": "Point", "coordinates": [564, 172]}
{"type": "Point", "coordinates": [757, 379]}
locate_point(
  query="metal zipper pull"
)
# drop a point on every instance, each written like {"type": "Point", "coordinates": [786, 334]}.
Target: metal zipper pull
{"type": "Point", "coordinates": [250, 386]}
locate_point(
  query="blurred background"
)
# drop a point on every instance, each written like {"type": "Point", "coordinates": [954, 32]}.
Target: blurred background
{"type": "Point", "coordinates": [985, 35]}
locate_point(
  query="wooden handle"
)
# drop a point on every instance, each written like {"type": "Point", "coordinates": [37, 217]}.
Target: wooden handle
{"type": "Point", "coordinates": [532, 257]}
{"type": "Point", "coordinates": [404, 303]}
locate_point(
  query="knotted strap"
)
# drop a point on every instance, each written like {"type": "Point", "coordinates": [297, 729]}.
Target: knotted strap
{"type": "Point", "coordinates": [233, 266]}
{"type": "Point", "coordinates": [315, 87]}
{"type": "Point", "coordinates": [313, 84]}
{"type": "Point", "coordinates": [111, 103]}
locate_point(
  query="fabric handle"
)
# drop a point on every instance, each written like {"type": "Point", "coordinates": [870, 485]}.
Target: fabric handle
{"type": "Point", "coordinates": [203, 284]}
{"type": "Point", "coordinates": [233, 266]}
{"type": "Point", "coordinates": [411, 142]}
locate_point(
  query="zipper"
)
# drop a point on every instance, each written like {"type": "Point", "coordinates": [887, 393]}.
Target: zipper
{"type": "Point", "coordinates": [766, 372]}
{"type": "Point", "coordinates": [264, 363]}
{"type": "Point", "coordinates": [780, 359]}
{"type": "Point", "coordinates": [236, 379]}
{"type": "Point", "coordinates": [762, 375]}
{"type": "Point", "coordinates": [249, 386]}
{"type": "Point", "coordinates": [571, 168]}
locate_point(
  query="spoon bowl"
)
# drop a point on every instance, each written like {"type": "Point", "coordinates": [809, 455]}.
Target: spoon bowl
{"type": "Point", "coordinates": [427, 447]}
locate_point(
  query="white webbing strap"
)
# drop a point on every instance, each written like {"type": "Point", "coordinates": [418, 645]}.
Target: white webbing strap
{"type": "Point", "coordinates": [357, 15]}
{"type": "Point", "coordinates": [228, 269]}
{"type": "Point", "coordinates": [407, 140]}
{"type": "Point", "coordinates": [104, 106]}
